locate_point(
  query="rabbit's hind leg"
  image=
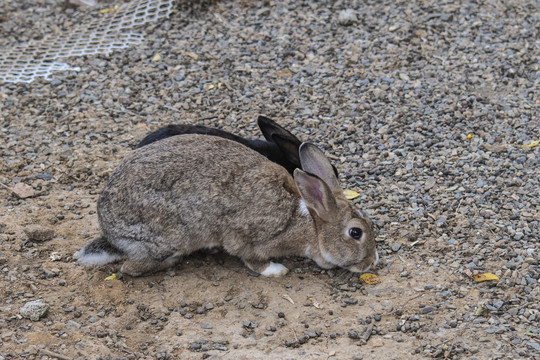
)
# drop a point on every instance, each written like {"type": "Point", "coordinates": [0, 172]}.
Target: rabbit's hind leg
{"type": "Point", "coordinates": [148, 266]}
{"type": "Point", "coordinates": [266, 268]}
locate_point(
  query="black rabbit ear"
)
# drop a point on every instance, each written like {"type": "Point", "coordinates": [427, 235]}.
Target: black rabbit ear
{"type": "Point", "coordinates": [289, 149]}
{"type": "Point", "coordinates": [315, 162]}
{"type": "Point", "coordinates": [270, 128]}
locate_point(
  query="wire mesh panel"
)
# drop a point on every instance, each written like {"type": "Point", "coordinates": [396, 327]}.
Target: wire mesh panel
{"type": "Point", "coordinates": [114, 30]}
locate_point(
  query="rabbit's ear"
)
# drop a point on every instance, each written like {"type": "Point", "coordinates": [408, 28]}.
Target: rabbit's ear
{"type": "Point", "coordinates": [314, 162]}
{"type": "Point", "coordinates": [270, 128]}
{"type": "Point", "coordinates": [317, 195]}
{"type": "Point", "coordinates": [289, 148]}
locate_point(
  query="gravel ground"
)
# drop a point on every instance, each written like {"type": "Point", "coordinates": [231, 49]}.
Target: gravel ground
{"type": "Point", "coordinates": [420, 104]}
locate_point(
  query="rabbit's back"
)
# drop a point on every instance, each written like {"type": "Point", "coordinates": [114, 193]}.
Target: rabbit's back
{"type": "Point", "coordinates": [195, 191]}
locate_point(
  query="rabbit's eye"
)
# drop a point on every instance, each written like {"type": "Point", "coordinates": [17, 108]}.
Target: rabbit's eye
{"type": "Point", "coordinates": [355, 233]}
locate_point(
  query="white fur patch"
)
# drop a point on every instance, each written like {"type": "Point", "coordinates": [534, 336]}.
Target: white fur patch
{"type": "Point", "coordinates": [327, 257]}
{"type": "Point", "coordinates": [212, 245]}
{"type": "Point", "coordinates": [275, 269]}
{"type": "Point", "coordinates": [307, 252]}
{"type": "Point", "coordinates": [98, 259]}
{"type": "Point", "coordinates": [376, 258]}
{"type": "Point", "coordinates": [303, 208]}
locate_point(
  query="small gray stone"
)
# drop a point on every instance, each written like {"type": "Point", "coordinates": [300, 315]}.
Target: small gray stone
{"type": "Point", "coordinates": [34, 310]}
{"type": "Point", "coordinates": [396, 247]}
{"type": "Point", "coordinates": [347, 17]}
{"type": "Point", "coordinates": [72, 325]}
{"type": "Point", "coordinates": [206, 326]}
{"type": "Point", "coordinates": [220, 347]}
{"type": "Point", "coordinates": [440, 222]}
{"type": "Point", "coordinates": [498, 304]}
{"type": "Point", "coordinates": [534, 345]}
{"type": "Point", "coordinates": [36, 232]}
{"type": "Point", "coordinates": [44, 176]}
{"type": "Point", "coordinates": [494, 330]}
{"type": "Point", "coordinates": [428, 309]}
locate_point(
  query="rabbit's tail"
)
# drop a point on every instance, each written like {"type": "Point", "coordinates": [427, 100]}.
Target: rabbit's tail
{"type": "Point", "coordinates": [99, 252]}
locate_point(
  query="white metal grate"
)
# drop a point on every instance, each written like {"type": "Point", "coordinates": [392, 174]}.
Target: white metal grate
{"type": "Point", "coordinates": [114, 30]}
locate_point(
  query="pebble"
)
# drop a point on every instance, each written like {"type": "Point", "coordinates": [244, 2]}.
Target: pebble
{"type": "Point", "coordinates": [34, 310]}
{"type": "Point", "coordinates": [36, 232]}
{"type": "Point", "coordinates": [249, 324]}
{"type": "Point", "coordinates": [347, 17]}
{"type": "Point", "coordinates": [44, 176]}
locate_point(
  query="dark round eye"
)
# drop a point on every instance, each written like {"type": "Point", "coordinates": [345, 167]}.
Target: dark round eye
{"type": "Point", "coordinates": [355, 233]}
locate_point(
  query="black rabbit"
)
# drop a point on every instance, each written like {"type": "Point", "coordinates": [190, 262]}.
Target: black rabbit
{"type": "Point", "coordinates": [281, 146]}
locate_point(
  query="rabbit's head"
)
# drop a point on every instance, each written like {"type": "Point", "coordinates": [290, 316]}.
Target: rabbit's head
{"type": "Point", "coordinates": [345, 235]}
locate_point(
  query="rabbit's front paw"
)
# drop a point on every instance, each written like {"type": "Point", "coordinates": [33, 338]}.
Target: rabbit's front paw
{"type": "Point", "coordinates": [270, 269]}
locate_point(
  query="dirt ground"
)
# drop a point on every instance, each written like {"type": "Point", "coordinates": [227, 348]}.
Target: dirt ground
{"type": "Point", "coordinates": [210, 299]}
{"type": "Point", "coordinates": [420, 105]}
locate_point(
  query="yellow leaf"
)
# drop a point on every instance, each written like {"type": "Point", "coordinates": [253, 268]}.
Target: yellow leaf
{"type": "Point", "coordinates": [370, 279]}
{"type": "Point", "coordinates": [531, 144]}
{"type": "Point", "coordinates": [219, 85]}
{"type": "Point", "coordinates": [156, 57]}
{"type": "Point", "coordinates": [211, 86]}
{"type": "Point", "coordinates": [109, 10]}
{"type": "Point", "coordinates": [112, 277]}
{"type": "Point", "coordinates": [350, 194]}
{"type": "Point", "coordinates": [485, 277]}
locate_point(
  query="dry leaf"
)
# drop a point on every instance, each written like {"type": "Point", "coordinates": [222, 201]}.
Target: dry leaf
{"type": "Point", "coordinates": [315, 303]}
{"type": "Point", "coordinates": [485, 277]}
{"type": "Point", "coordinates": [350, 194]}
{"type": "Point", "coordinates": [23, 190]}
{"type": "Point", "coordinates": [481, 310]}
{"type": "Point", "coordinates": [109, 10]}
{"type": "Point", "coordinates": [112, 277]}
{"type": "Point", "coordinates": [287, 297]}
{"type": "Point", "coordinates": [156, 57]}
{"type": "Point", "coordinates": [531, 144]}
{"type": "Point", "coordinates": [211, 86]}
{"type": "Point", "coordinates": [370, 279]}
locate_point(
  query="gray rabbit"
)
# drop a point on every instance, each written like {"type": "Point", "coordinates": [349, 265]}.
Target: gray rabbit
{"type": "Point", "coordinates": [184, 193]}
